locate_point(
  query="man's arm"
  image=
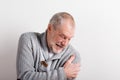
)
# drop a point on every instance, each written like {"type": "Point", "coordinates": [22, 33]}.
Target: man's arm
{"type": "Point", "coordinates": [71, 69]}
{"type": "Point", "coordinates": [25, 64]}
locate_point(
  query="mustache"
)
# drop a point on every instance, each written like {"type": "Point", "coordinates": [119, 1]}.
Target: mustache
{"type": "Point", "coordinates": [60, 45]}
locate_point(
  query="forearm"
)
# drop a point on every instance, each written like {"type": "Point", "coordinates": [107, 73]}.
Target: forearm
{"type": "Point", "coordinates": [49, 75]}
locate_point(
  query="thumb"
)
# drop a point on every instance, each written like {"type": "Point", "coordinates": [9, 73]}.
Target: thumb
{"type": "Point", "coordinates": [72, 57]}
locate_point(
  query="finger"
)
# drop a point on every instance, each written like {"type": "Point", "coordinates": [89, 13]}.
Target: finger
{"type": "Point", "coordinates": [77, 64]}
{"type": "Point", "coordinates": [69, 61]}
{"type": "Point", "coordinates": [77, 69]}
{"type": "Point", "coordinates": [71, 58]}
{"type": "Point", "coordinates": [74, 75]}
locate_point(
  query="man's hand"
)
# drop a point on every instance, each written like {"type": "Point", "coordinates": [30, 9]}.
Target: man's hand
{"type": "Point", "coordinates": [71, 69]}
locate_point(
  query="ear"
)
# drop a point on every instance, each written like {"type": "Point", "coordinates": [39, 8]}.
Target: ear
{"type": "Point", "coordinates": [49, 27]}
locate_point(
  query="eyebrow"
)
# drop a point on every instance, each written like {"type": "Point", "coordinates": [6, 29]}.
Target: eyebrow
{"type": "Point", "coordinates": [66, 36]}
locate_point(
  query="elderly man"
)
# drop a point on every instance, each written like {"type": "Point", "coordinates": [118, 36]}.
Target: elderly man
{"type": "Point", "coordinates": [49, 56]}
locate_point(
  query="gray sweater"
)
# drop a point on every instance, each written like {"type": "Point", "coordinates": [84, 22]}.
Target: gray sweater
{"type": "Point", "coordinates": [34, 63]}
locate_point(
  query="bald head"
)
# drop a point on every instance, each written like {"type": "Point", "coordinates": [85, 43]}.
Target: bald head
{"type": "Point", "coordinates": [60, 18]}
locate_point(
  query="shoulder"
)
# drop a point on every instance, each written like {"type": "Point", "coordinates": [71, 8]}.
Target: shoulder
{"type": "Point", "coordinates": [75, 52]}
{"type": "Point", "coordinates": [29, 35]}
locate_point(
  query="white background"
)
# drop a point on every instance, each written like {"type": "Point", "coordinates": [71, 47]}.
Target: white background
{"type": "Point", "coordinates": [97, 36]}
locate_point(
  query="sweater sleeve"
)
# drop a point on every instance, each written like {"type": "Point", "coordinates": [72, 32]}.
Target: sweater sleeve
{"type": "Point", "coordinates": [25, 64]}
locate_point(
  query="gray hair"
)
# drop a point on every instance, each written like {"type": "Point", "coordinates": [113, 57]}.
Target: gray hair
{"type": "Point", "coordinates": [59, 17]}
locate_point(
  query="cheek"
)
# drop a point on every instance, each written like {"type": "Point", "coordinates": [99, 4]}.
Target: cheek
{"type": "Point", "coordinates": [53, 39]}
{"type": "Point", "coordinates": [57, 39]}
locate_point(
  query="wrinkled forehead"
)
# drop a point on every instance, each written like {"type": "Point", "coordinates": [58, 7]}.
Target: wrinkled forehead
{"type": "Point", "coordinates": [67, 29]}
